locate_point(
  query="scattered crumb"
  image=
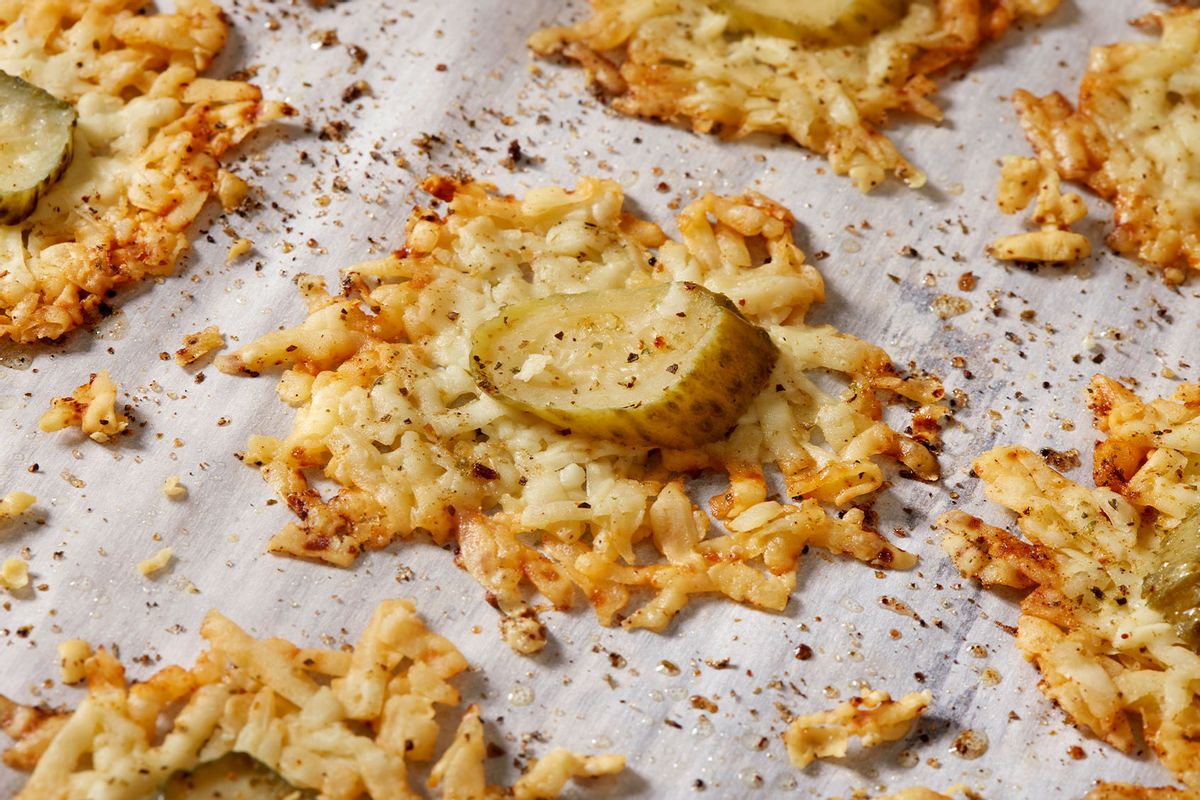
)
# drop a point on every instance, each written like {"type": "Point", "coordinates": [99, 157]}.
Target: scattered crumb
{"type": "Point", "coordinates": [948, 305]}
{"type": "Point", "coordinates": [1021, 180]}
{"type": "Point", "coordinates": [92, 409]}
{"type": "Point", "coordinates": [72, 655]}
{"type": "Point", "coordinates": [199, 344]}
{"type": "Point", "coordinates": [14, 574]}
{"type": "Point", "coordinates": [231, 190]}
{"type": "Point", "coordinates": [156, 562]}
{"type": "Point", "coordinates": [874, 718]}
{"type": "Point", "coordinates": [15, 503]}
{"type": "Point", "coordinates": [173, 489]}
{"type": "Point", "coordinates": [238, 249]}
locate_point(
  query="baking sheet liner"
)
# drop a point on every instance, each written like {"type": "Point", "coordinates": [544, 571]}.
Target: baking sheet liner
{"type": "Point", "coordinates": [450, 87]}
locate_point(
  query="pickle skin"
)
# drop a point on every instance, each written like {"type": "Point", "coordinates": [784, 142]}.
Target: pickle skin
{"type": "Point", "coordinates": [701, 406]}
{"type": "Point", "coordinates": [1173, 588]}
{"type": "Point", "coordinates": [18, 204]}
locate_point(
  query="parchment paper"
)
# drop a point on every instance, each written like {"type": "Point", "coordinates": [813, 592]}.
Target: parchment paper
{"type": "Point", "coordinates": [450, 86]}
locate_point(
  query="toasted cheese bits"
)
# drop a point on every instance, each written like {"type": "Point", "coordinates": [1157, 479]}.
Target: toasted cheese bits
{"type": "Point", "coordinates": [417, 436]}
{"type": "Point", "coordinates": [1021, 180]}
{"type": "Point", "coordinates": [1096, 619]}
{"type": "Point", "coordinates": [1133, 139]}
{"type": "Point", "coordinates": [149, 132]}
{"type": "Point", "coordinates": [826, 74]}
{"type": "Point", "coordinates": [873, 718]}
{"type": "Point", "coordinates": [343, 723]}
{"type": "Point", "coordinates": [92, 408]}
{"type": "Point", "coordinates": [14, 504]}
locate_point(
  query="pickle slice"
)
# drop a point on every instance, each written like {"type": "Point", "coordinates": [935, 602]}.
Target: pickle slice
{"type": "Point", "coordinates": [231, 777]}
{"type": "Point", "coordinates": [673, 365]}
{"type": "Point", "coordinates": [37, 141]}
{"type": "Point", "coordinates": [1174, 586]}
{"type": "Point", "coordinates": [828, 21]}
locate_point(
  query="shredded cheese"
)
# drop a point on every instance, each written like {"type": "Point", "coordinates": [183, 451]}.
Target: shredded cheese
{"type": "Point", "coordinates": [700, 61]}
{"type": "Point", "coordinates": [149, 133]}
{"type": "Point", "coordinates": [72, 660]}
{"type": "Point", "coordinates": [387, 408]}
{"type": "Point", "coordinates": [1134, 139]}
{"type": "Point", "coordinates": [199, 345]}
{"type": "Point", "coordinates": [874, 718]}
{"type": "Point", "coordinates": [1022, 179]}
{"type": "Point", "coordinates": [173, 489]}
{"type": "Point", "coordinates": [238, 249]}
{"type": "Point", "coordinates": [344, 723]}
{"type": "Point", "coordinates": [1107, 657]}
{"type": "Point", "coordinates": [14, 504]}
{"type": "Point", "coordinates": [155, 562]}
{"type": "Point", "coordinates": [14, 574]}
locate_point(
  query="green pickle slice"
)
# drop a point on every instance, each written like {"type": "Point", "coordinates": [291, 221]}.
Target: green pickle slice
{"type": "Point", "coordinates": [1174, 586]}
{"type": "Point", "coordinates": [37, 141]}
{"type": "Point", "coordinates": [231, 777]}
{"type": "Point", "coordinates": [672, 365]}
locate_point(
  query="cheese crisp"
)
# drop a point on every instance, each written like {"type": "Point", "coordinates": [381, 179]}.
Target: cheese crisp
{"type": "Point", "coordinates": [1108, 655]}
{"type": "Point", "coordinates": [874, 718]}
{"type": "Point", "coordinates": [388, 409]}
{"type": "Point", "coordinates": [343, 723]}
{"type": "Point", "coordinates": [825, 78]}
{"type": "Point", "coordinates": [1134, 139]}
{"type": "Point", "coordinates": [149, 134]}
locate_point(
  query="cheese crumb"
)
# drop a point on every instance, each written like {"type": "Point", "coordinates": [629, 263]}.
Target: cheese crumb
{"type": "Point", "coordinates": [92, 409]}
{"type": "Point", "coordinates": [72, 657]}
{"type": "Point", "coordinates": [1050, 246]}
{"type": "Point", "coordinates": [15, 503]}
{"type": "Point", "coordinates": [238, 249]}
{"type": "Point", "coordinates": [14, 574]}
{"type": "Point", "coordinates": [156, 562]}
{"type": "Point", "coordinates": [874, 717]}
{"type": "Point", "coordinates": [173, 489]}
{"type": "Point", "coordinates": [231, 190]}
{"type": "Point", "coordinates": [199, 344]}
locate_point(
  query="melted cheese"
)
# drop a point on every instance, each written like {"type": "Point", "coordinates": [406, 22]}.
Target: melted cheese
{"type": "Point", "coordinates": [735, 74]}
{"type": "Point", "coordinates": [1135, 139]}
{"type": "Point", "coordinates": [343, 723]}
{"type": "Point", "coordinates": [148, 134]}
{"type": "Point", "coordinates": [874, 718]}
{"type": "Point", "coordinates": [387, 408]}
{"type": "Point", "coordinates": [1106, 656]}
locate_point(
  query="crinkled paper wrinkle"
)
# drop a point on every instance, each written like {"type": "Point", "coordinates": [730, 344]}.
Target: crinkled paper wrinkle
{"type": "Point", "coordinates": [149, 134]}
{"type": "Point", "coordinates": [387, 408]}
{"type": "Point", "coordinates": [1106, 656]}
{"type": "Point", "coordinates": [690, 60]}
